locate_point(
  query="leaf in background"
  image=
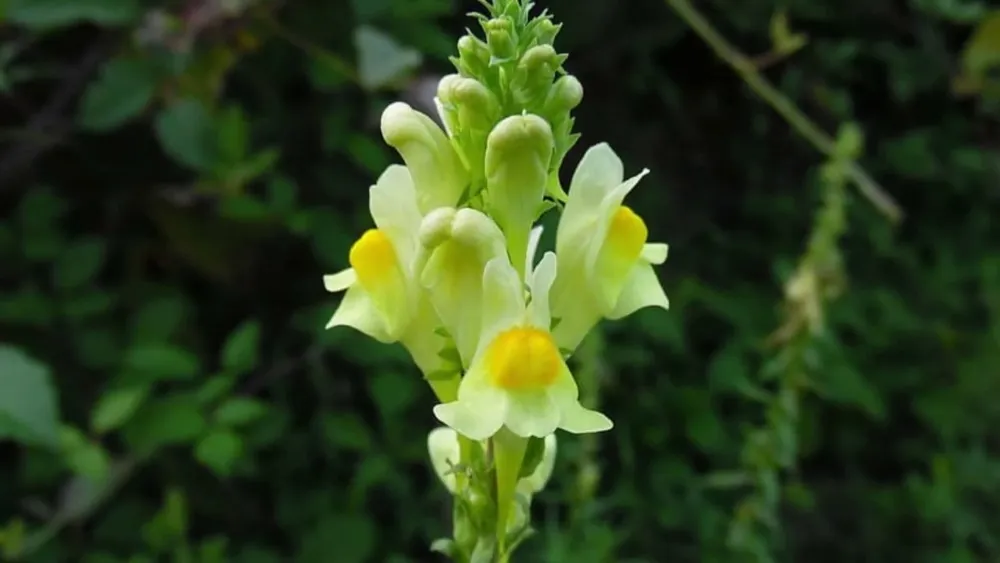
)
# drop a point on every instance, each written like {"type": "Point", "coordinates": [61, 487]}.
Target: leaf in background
{"type": "Point", "coordinates": [174, 419]}
{"type": "Point", "coordinates": [83, 456]}
{"type": "Point", "coordinates": [162, 361]}
{"type": "Point", "coordinates": [116, 406]}
{"type": "Point", "coordinates": [79, 263]}
{"type": "Point", "coordinates": [241, 350]}
{"type": "Point", "coordinates": [238, 411]}
{"type": "Point", "coordinates": [123, 89]}
{"type": "Point", "coordinates": [220, 450]}
{"type": "Point", "coordinates": [47, 14]}
{"type": "Point", "coordinates": [186, 132]}
{"type": "Point", "coordinates": [980, 54]}
{"type": "Point", "coordinates": [28, 411]}
{"type": "Point", "coordinates": [233, 135]}
{"type": "Point", "coordinates": [339, 538]}
{"type": "Point", "coordinates": [381, 60]}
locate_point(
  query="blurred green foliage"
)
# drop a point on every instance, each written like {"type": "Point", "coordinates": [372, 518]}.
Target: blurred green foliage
{"type": "Point", "coordinates": [176, 178]}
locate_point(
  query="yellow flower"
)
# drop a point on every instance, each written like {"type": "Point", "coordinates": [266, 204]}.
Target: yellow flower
{"type": "Point", "coordinates": [606, 265]}
{"type": "Point", "coordinates": [517, 377]}
{"type": "Point", "coordinates": [383, 298]}
{"type": "Point", "coordinates": [457, 246]}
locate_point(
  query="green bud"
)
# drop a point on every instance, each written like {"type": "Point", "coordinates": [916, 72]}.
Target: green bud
{"type": "Point", "coordinates": [473, 56]}
{"type": "Point", "coordinates": [477, 107]}
{"type": "Point", "coordinates": [518, 153]}
{"type": "Point", "coordinates": [535, 72]}
{"type": "Point", "coordinates": [544, 30]}
{"type": "Point", "coordinates": [563, 96]}
{"type": "Point", "coordinates": [500, 39]}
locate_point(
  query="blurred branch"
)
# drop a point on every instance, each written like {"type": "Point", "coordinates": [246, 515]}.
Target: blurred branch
{"type": "Point", "coordinates": [310, 48]}
{"type": "Point", "coordinates": [748, 71]}
{"type": "Point", "coordinates": [48, 127]}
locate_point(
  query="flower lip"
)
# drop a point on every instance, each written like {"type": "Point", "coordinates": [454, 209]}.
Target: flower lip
{"type": "Point", "coordinates": [372, 257]}
{"type": "Point", "coordinates": [627, 233]}
{"type": "Point", "coordinates": [522, 359]}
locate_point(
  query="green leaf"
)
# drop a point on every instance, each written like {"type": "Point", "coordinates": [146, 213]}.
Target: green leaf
{"type": "Point", "coordinates": [185, 130]}
{"type": "Point", "coordinates": [394, 393]}
{"type": "Point", "coordinates": [28, 412]}
{"type": "Point", "coordinates": [238, 411]}
{"type": "Point", "coordinates": [220, 451]}
{"type": "Point", "coordinates": [47, 14]}
{"type": "Point", "coordinates": [162, 361]}
{"type": "Point", "coordinates": [347, 431]}
{"type": "Point", "coordinates": [381, 60]}
{"type": "Point", "coordinates": [79, 263]}
{"type": "Point", "coordinates": [241, 350]}
{"type": "Point", "coordinates": [115, 408]}
{"type": "Point", "coordinates": [533, 454]}
{"type": "Point", "coordinates": [123, 89]}
{"type": "Point", "coordinates": [233, 135]}
{"type": "Point", "coordinates": [175, 419]}
{"type": "Point", "coordinates": [84, 457]}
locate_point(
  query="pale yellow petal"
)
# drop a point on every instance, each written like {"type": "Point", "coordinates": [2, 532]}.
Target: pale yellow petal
{"type": "Point", "coordinates": [392, 202]}
{"type": "Point", "coordinates": [599, 171]}
{"type": "Point", "coordinates": [340, 281]}
{"type": "Point", "coordinates": [642, 289]}
{"type": "Point", "coordinates": [655, 252]}
{"type": "Point", "coordinates": [443, 449]}
{"type": "Point", "coordinates": [540, 284]}
{"type": "Point", "coordinates": [573, 417]}
{"type": "Point", "coordinates": [480, 409]}
{"type": "Point", "coordinates": [357, 311]}
{"type": "Point", "coordinates": [533, 239]}
{"type": "Point", "coordinates": [503, 300]}
{"type": "Point", "coordinates": [532, 413]}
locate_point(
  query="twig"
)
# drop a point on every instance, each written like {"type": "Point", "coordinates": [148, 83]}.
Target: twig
{"type": "Point", "coordinates": [48, 127]}
{"type": "Point", "coordinates": [785, 107]}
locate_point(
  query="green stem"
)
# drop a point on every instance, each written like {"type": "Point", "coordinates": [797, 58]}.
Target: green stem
{"type": "Point", "coordinates": [785, 107]}
{"type": "Point", "coordinates": [508, 454]}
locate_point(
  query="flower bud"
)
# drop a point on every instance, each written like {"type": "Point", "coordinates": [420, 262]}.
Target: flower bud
{"type": "Point", "coordinates": [435, 228]}
{"type": "Point", "coordinates": [563, 96]}
{"type": "Point", "coordinates": [500, 38]}
{"type": "Point", "coordinates": [476, 106]}
{"type": "Point", "coordinates": [546, 31]}
{"type": "Point", "coordinates": [473, 55]}
{"type": "Point", "coordinates": [518, 153]}
{"type": "Point", "coordinates": [442, 446]}
{"type": "Point", "coordinates": [438, 174]}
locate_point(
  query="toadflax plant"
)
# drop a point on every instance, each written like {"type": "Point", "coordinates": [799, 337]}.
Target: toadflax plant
{"type": "Point", "coordinates": [450, 271]}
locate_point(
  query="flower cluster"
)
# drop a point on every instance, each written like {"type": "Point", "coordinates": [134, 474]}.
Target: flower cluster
{"type": "Point", "coordinates": [450, 268]}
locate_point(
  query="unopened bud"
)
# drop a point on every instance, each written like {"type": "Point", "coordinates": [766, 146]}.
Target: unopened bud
{"type": "Point", "coordinates": [500, 38]}
{"type": "Point", "coordinates": [546, 31]}
{"type": "Point", "coordinates": [565, 94]}
{"type": "Point", "coordinates": [436, 226]}
{"type": "Point", "coordinates": [438, 175]}
{"type": "Point", "coordinates": [518, 153]}
{"type": "Point", "coordinates": [473, 54]}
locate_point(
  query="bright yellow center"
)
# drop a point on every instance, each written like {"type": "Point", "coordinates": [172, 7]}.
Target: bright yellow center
{"type": "Point", "coordinates": [523, 358]}
{"type": "Point", "coordinates": [627, 233]}
{"type": "Point", "coordinates": [372, 257]}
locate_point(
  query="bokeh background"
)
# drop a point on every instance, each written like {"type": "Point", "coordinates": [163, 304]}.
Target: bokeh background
{"type": "Point", "coordinates": [176, 177]}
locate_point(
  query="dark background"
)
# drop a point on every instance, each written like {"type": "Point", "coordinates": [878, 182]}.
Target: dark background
{"type": "Point", "coordinates": [176, 179]}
